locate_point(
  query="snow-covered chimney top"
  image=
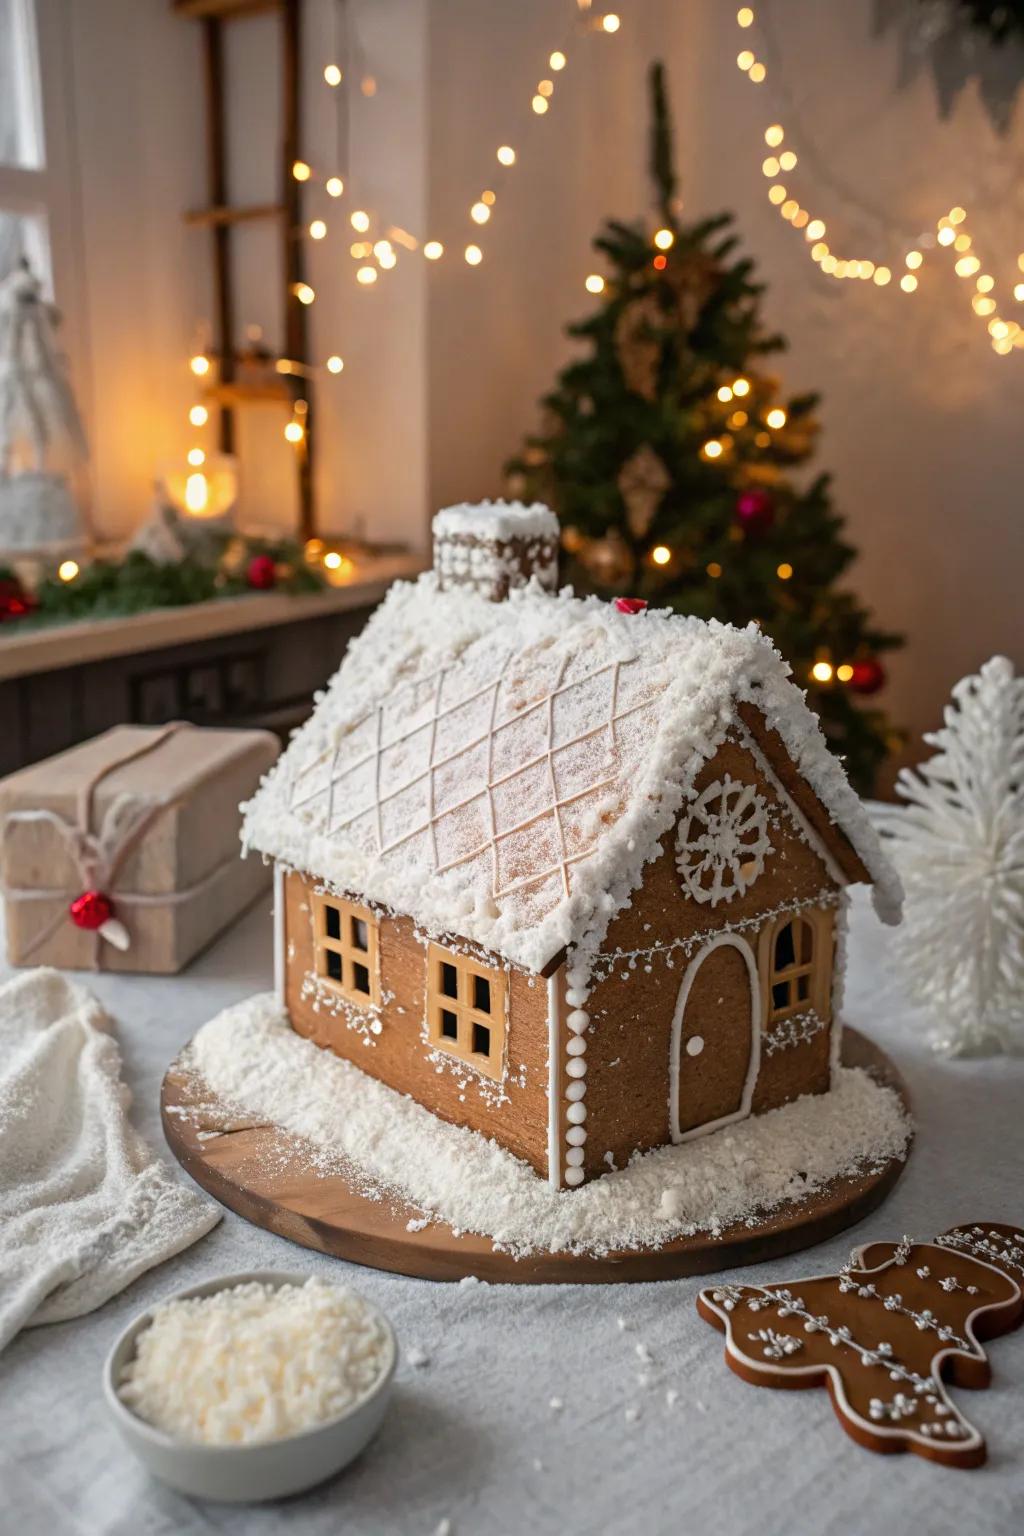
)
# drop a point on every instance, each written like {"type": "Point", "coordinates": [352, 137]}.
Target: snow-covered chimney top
{"type": "Point", "coordinates": [494, 546]}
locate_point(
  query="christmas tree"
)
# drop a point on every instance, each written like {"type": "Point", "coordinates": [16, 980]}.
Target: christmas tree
{"type": "Point", "coordinates": [669, 456]}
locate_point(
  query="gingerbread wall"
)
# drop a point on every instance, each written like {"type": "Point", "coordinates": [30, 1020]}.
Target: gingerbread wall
{"type": "Point", "coordinates": [390, 1043]}
{"type": "Point", "coordinates": [643, 962]}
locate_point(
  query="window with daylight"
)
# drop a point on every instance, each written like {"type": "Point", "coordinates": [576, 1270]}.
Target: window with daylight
{"type": "Point", "coordinates": [345, 937]}
{"type": "Point", "coordinates": [34, 152]}
{"type": "Point", "coordinates": [466, 1009]}
{"type": "Point", "coordinates": [794, 968]}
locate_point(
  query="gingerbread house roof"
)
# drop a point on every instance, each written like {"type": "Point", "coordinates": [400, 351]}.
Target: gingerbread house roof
{"type": "Point", "coordinates": [504, 771]}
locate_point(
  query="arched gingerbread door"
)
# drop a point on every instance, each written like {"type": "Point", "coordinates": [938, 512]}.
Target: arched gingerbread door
{"type": "Point", "coordinates": [716, 1039]}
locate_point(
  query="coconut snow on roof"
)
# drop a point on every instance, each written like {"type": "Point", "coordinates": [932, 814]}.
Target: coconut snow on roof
{"type": "Point", "coordinates": [504, 771]}
{"type": "Point", "coordinates": [496, 520]}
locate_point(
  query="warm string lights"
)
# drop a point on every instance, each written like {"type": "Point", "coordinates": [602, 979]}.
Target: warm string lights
{"type": "Point", "coordinates": [197, 485]}
{"type": "Point", "coordinates": [376, 252]}
{"type": "Point", "coordinates": [376, 256]}
{"type": "Point", "coordinates": [950, 232]}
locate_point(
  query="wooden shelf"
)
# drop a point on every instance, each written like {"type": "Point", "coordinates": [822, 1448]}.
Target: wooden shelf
{"type": "Point", "coordinates": [27, 651]}
{"type": "Point", "coordinates": [216, 217]}
{"type": "Point", "coordinates": [271, 393]}
{"type": "Point", "coordinates": [223, 10]}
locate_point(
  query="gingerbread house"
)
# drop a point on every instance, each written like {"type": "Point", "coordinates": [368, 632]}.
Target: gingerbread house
{"type": "Point", "coordinates": [572, 874]}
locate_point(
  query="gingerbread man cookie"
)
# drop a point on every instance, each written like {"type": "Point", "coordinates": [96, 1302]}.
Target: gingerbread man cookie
{"type": "Point", "coordinates": [885, 1335]}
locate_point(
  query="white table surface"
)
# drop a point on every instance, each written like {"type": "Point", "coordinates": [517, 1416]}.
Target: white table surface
{"type": "Point", "coordinates": [472, 1437]}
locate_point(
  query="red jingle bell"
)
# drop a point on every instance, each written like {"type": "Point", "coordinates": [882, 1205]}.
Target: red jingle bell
{"type": "Point", "coordinates": [91, 910]}
{"type": "Point", "coordinates": [262, 573]}
{"type": "Point", "coordinates": [630, 604]}
{"type": "Point", "coordinates": [868, 675]}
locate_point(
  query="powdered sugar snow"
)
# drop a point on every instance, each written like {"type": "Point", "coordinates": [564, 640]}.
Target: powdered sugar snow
{"type": "Point", "coordinates": [506, 771]}
{"type": "Point", "coordinates": [254, 1063]}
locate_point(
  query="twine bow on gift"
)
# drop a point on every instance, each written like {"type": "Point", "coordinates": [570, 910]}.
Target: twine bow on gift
{"type": "Point", "coordinates": [99, 858]}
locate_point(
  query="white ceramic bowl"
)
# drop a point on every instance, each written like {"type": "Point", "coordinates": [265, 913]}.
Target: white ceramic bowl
{"type": "Point", "coordinates": [244, 1474]}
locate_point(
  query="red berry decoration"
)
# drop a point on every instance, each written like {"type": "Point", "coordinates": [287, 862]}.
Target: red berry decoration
{"type": "Point", "coordinates": [262, 573]}
{"type": "Point", "coordinates": [630, 604]}
{"type": "Point", "coordinates": [755, 510]}
{"type": "Point", "coordinates": [15, 602]}
{"type": "Point", "coordinates": [868, 675]}
{"type": "Point", "coordinates": [91, 910]}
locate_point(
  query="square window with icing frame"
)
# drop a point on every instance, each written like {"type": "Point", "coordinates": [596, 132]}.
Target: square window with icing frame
{"type": "Point", "coordinates": [466, 1002]}
{"type": "Point", "coordinates": [345, 941]}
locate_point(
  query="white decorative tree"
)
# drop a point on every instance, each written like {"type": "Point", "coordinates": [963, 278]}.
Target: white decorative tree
{"type": "Point", "coordinates": [959, 847]}
{"type": "Point", "coordinates": [42, 443]}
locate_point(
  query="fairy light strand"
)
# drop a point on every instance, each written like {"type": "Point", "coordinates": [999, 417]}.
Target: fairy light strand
{"type": "Point", "coordinates": [344, 67]}
{"type": "Point", "coordinates": [374, 257]}
{"type": "Point", "coordinates": [904, 274]}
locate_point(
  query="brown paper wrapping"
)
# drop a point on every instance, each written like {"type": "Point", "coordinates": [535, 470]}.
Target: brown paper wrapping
{"type": "Point", "coordinates": [202, 775]}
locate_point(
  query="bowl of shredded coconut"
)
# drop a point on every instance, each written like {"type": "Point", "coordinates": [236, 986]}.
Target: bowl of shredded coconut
{"type": "Point", "coordinates": [252, 1386]}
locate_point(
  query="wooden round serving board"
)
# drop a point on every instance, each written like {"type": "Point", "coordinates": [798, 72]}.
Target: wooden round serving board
{"type": "Point", "coordinates": [260, 1172]}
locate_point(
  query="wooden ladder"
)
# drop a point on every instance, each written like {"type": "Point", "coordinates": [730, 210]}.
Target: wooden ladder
{"type": "Point", "coordinates": [292, 385]}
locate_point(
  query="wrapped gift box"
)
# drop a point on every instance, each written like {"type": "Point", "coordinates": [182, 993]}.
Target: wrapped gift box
{"type": "Point", "coordinates": [138, 829]}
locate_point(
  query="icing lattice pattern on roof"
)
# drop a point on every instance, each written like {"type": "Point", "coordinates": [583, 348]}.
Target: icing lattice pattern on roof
{"type": "Point", "coordinates": [513, 787]}
{"type": "Point", "coordinates": [504, 771]}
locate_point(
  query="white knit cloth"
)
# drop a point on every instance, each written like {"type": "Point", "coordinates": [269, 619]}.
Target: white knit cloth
{"type": "Point", "coordinates": [85, 1207]}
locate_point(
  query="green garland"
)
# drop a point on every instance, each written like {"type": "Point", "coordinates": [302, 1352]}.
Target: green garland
{"type": "Point", "coordinates": [1000, 20]}
{"type": "Point", "coordinates": [218, 567]}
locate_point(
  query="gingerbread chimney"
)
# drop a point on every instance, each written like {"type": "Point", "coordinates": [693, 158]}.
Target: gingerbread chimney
{"type": "Point", "coordinates": [495, 546]}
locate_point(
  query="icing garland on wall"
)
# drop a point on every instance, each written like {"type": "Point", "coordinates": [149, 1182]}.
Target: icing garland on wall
{"type": "Point", "coordinates": [605, 965]}
{"type": "Point", "coordinates": [798, 1029]}
{"type": "Point", "coordinates": [950, 235]}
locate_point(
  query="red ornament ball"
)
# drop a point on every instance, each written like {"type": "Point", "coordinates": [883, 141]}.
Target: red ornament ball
{"type": "Point", "coordinates": [262, 573]}
{"type": "Point", "coordinates": [630, 604]}
{"type": "Point", "coordinates": [91, 910]}
{"type": "Point", "coordinates": [15, 602]}
{"type": "Point", "coordinates": [868, 675]}
{"type": "Point", "coordinates": [755, 510]}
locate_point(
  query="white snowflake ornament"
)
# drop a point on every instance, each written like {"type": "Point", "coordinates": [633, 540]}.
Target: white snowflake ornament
{"type": "Point", "coordinates": [959, 847]}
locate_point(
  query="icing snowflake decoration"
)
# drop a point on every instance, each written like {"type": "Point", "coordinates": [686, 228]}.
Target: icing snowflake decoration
{"type": "Point", "coordinates": [959, 846]}
{"type": "Point", "coordinates": [722, 843]}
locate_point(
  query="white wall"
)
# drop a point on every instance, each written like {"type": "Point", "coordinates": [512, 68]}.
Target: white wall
{"type": "Point", "coordinates": [444, 364]}
{"type": "Point", "coordinates": [496, 331]}
{"type": "Point", "coordinates": [136, 84]}
{"type": "Point", "coordinates": [137, 139]}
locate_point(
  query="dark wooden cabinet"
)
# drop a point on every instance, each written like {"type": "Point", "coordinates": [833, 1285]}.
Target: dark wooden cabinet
{"type": "Point", "coordinates": [253, 674]}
